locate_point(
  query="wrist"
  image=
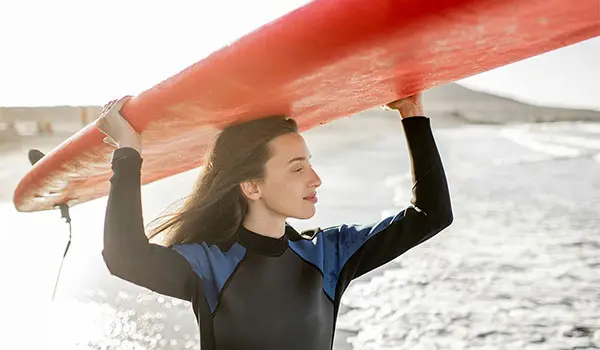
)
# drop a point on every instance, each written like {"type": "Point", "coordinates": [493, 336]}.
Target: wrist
{"type": "Point", "coordinates": [413, 111]}
{"type": "Point", "coordinates": [135, 144]}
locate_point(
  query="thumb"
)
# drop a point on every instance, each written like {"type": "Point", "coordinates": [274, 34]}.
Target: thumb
{"type": "Point", "coordinates": [401, 103]}
{"type": "Point", "coordinates": [394, 105]}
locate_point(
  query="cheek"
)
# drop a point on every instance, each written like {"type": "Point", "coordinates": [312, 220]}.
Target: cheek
{"type": "Point", "coordinates": [282, 189]}
{"type": "Point", "coordinates": [283, 193]}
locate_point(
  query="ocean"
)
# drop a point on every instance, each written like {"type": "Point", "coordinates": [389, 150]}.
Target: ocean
{"type": "Point", "coordinates": [518, 269]}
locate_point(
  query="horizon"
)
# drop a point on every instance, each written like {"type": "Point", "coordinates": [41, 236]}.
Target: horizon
{"type": "Point", "coordinates": [102, 66]}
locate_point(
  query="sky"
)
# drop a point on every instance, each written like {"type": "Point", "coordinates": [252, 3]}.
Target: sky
{"type": "Point", "coordinates": [83, 52]}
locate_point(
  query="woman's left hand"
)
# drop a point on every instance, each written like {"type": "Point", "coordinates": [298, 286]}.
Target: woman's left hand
{"type": "Point", "coordinates": [411, 106]}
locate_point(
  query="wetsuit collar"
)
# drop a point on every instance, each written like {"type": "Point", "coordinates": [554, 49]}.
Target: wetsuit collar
{"type": "Point", "coordinates": [262, 244]}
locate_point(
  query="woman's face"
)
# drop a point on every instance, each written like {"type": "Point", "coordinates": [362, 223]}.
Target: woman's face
{"type": "Point", "coordinates": [290, 183]}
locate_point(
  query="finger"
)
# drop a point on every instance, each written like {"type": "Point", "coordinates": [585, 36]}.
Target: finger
{"type": "Point", "coordinates": [104, 108]}
{"type": "Point", "coordinates": [397, 104]}
{"type": "Point", "coordinates": [110, 141]}
{"type": "Point", "coordinates": [391, 105]}
{"type": "Point", "coordinates": [107, 107]}
{"type": "Point", "coordinates": [102, 126]}
{"type": "Point", "coordinates": [120, 103]}
{"type": "Point", "coordinates": [111, 104]}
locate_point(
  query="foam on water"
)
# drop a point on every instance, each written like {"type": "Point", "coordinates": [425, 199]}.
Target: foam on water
{"type": "Point", "coordinates": [518, 259]}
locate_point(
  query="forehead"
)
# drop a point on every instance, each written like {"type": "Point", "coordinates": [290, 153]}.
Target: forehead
{"type": "Point", "coordinates": [287, 147]}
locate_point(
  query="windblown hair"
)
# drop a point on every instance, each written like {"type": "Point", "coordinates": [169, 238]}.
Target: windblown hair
{"type": "Point", "coordinates": [215, 209]}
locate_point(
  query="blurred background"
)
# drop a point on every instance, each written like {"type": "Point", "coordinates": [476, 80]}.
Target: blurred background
{"type": "Point", "coordinates": [518, 269]}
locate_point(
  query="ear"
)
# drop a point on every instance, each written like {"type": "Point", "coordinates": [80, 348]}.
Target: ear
{"type": "Point", "coordinates": [251, 189]}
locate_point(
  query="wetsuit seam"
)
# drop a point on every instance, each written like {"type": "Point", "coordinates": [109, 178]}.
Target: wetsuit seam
{"type": "Point", "coordinates": [205, 319]}
{"type": "Point", "coordinates": [362, 247]}
{"type": "Point", "coordinates": [338, 295]}
{"type": "Point", "coordinates": [337, 292]}
{"type": "Point", "coordinates": [227, 282]}
{"type": "Point", "coordinates": [431, 168]}
{"type": "Point", "coordinates": [318, 269]}
{"type": "Point", "coordinates": [336, 308]}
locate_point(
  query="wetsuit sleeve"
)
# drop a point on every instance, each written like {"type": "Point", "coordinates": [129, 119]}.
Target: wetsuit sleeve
{"type": "Point", "coordinates": [127, 252]}
{"type": "Point", "coordinates": [354, 250]}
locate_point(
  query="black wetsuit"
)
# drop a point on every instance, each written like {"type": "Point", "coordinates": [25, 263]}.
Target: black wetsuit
{"type": "Point", "coordinates": [267, 293]}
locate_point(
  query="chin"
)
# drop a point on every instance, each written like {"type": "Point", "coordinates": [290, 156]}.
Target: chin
{"type": "Point", "coordinates": [305, 214]}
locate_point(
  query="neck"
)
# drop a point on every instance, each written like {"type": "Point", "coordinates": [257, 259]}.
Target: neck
{"type": "Point", "coordinates": [264, 223]}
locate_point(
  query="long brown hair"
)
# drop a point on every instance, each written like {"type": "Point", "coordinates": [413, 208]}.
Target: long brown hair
{"type": "Point", "coordinates": [215, 209]}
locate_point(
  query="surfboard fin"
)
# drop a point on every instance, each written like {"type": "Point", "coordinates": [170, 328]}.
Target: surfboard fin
{"type": "Point", "coordinates": [35, 156]}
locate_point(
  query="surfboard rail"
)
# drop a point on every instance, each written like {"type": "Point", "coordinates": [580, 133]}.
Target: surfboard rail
{"type": "Point", "coordinates": [323, 61]}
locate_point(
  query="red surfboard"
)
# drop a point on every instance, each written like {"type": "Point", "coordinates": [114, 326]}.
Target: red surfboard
{"type": "Point", "coordinates": [325, 60]}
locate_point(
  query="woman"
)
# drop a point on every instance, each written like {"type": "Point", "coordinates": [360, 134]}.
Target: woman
{"type": "Point", "coordinates": [254, 282]}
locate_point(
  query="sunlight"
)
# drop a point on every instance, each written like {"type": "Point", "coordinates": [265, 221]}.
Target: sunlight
{"type": "Point", "coordinates": [78, 59]}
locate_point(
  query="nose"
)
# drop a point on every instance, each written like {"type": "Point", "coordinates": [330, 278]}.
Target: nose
{"type": "Point", "coordinates": [316, 180]}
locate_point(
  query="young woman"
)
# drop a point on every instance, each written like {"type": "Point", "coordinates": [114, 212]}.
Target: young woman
{"type": "Point", "coordinates": [254, 282]}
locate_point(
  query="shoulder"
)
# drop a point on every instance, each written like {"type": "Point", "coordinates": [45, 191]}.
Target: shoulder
{"type": "Point", "coordinates": [213, 265]}
{"type": "Point", "coordinates": [209, 260]}
{"type": "Point", "coordinates": [348, 237]}
{"type": "Point", "coordinates": [316, 244]}
{"type": "Point", "coordinates": [317, 236]}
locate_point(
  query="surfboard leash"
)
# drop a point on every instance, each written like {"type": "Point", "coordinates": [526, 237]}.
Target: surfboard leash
{"type": "Point", "coordinates": [34, 156]}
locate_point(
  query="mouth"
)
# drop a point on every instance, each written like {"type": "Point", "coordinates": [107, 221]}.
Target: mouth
{"type": "Point", "coordinates": [312, 198]}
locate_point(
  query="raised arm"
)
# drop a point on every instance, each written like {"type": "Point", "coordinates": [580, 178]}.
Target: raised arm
{"type": "Point", "coordinates": [127, 251]}
{"type": "Point", "coordinates": [355, 250]}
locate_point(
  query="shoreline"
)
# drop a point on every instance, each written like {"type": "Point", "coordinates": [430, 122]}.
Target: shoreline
{"type": "Point", "coordinates": [497, 257]}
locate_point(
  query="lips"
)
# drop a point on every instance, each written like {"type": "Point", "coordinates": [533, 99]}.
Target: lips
{"type": "Point", "coordinates": [312, 198]}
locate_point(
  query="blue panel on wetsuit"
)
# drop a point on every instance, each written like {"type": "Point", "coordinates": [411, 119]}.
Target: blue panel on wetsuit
{"type": "Point", "coordinates": [212, 265]}
{"type": "Point", "coordinates": [334, 246]}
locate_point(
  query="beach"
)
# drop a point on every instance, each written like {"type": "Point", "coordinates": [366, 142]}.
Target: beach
{"type": "Point", "coordinates": [518, 268]}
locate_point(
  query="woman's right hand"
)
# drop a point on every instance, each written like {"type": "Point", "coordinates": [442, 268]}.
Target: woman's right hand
{"type": "Point", "coordinates": [410, 106]}
{"type": "Point", "coordinates": [118, 131]}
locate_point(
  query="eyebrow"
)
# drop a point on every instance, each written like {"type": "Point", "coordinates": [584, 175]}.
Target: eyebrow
{"type": "Point", "coordinates": [298, 159]}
